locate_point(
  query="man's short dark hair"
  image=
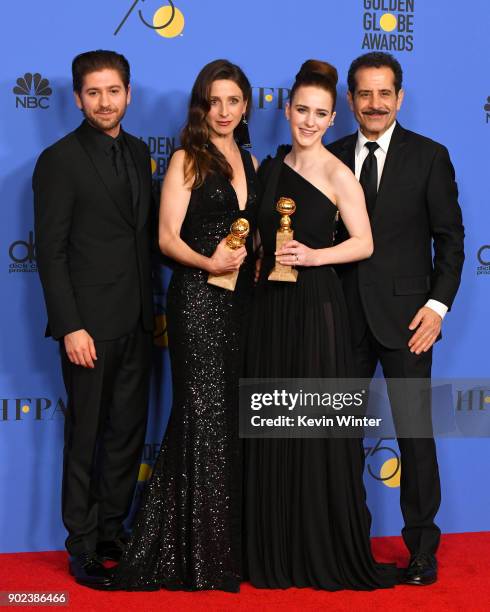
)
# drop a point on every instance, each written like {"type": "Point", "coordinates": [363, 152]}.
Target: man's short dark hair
{"type": "Point", "coordinates": [93, 61]}
{"type": "Point", "coordinates": [375, 59]}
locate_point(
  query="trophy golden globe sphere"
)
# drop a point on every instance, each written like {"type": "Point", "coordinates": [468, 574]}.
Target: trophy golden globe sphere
{"type": "Point", "coordinates": [238, 232]}
{"type": "Point", "coordinates": [286, 206]}
{"type": "Point", "coordinates": [236, 238]}
{"type": "Point", "coordinates": [240, 228]}
{"type": "Point", "coordinates": [281, 272]}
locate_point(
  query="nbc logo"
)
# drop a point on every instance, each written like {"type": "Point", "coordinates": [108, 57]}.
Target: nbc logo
{"type": "Point", "coordinates": [32, 91]}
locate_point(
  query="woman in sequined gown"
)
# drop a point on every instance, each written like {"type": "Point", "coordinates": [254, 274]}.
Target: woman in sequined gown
{"type": "Point", "coordinates": [187, 532]}
{"type": "Point", "coordinates": [306, 520]}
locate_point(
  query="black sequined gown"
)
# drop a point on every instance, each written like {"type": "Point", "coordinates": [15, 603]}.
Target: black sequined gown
{"type": "Point", "coordinates": [306, 520]}
{"type": "Point", "coordinates": [187, 532]}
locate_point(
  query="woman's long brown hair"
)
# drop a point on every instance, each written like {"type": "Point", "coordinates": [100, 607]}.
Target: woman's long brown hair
{"type": "Point", "coordinates": [201, 156]}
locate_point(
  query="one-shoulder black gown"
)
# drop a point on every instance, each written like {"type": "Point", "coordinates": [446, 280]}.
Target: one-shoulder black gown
{"type": "Point", "coordinates": [306, 521]}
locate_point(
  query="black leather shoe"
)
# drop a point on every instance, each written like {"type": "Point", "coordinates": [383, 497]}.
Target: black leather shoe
{"type": "Point", "coordinates": [87, 569]}
{"type": "Point", "coordinates": [111, 550]}
{"type": "Point", "coordinates": [422, 570]}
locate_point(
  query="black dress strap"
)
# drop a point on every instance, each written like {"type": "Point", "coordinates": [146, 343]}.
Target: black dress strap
{"type": "Point", "coordinates": [248, 164]}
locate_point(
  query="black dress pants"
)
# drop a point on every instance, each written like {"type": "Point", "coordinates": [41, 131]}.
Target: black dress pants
{"type": "Point", "coordinates": [420, 489]}
{"type": "Point", "coordinates": [104, 434]}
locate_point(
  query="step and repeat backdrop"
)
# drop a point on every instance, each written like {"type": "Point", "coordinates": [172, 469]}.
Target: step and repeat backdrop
{"type": "Point", "coordinates": [442, 46]}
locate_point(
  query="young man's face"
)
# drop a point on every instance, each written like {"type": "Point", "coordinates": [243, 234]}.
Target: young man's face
{"type": "Point", "coordinates": [104, 100]}
{"type": "Point", "coordinates": [375, 102]}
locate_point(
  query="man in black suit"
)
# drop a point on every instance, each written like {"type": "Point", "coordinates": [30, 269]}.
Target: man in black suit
{"type": "Point", "coordinates": [92, 195]}
{"type": "Point", "coordinates": [398, 298]}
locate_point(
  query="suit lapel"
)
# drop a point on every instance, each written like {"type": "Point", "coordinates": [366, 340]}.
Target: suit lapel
{"type": "Point", "coordinates": [393, 167]}
{"type": "Point", "coordinates": [144, 195]}
{"type": "Point", "coordinates": [398, 141]}
{"type": "Point", "coordinates": [348, 151]}
{"type": "Point", "coordinates": [103, 168]}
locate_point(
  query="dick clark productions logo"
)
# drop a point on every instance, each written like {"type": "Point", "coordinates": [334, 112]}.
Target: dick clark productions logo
{"type": "Point", "coordinates": [22, 254]}
{"type": "Point", "coordinates": [32, 91]}
{"type": "Point", "coordinates": [167, 21]}
{"type": "Point", "coordinates": [483, 256]}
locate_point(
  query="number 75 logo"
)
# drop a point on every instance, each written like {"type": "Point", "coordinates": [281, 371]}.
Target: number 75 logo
{"type": "Point", "coordinates": [390, 471]}
{"type": "Point", "coordinates": [168, 21]}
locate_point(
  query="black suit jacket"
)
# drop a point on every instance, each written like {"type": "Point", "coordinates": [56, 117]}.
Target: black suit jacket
{"type": "Point", "coordinates": [416, 211]}
{"type": "Point", "coordinates": [93, 254]}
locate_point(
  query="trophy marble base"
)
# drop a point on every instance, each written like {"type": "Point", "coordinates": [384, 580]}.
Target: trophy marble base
{"type": "Point", "coordinates": [283, 273]}
{"type": "Point", "coordinates": [280, 272]}
{"type": "Point", "coordinates": [225, 281]}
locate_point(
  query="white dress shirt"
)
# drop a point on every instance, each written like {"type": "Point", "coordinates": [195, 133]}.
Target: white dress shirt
{"type": "Point", "coordinates": [361, 153]}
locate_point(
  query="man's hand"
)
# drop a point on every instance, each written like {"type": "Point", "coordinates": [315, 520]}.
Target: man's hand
{"type": "Point", "coordinates": [428, 325]}
{"type": "Point", "coordinates": [80, 348]}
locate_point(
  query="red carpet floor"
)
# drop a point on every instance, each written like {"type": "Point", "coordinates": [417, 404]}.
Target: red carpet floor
{"type": "Point", "coordinates": [464, 584]}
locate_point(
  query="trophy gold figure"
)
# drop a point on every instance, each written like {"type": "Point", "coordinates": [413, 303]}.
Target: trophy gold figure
{"type": "Point", "coordinates": [236, 238]}
{"type": "Point", "coordinates": [285, 207]}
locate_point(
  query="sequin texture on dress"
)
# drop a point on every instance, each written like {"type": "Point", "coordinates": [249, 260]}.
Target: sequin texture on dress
{"type": "Point", "coordinates": [187, 531]}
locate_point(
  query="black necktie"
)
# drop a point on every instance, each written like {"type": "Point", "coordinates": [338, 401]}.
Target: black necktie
{"type": "Point", "coordinates": [125, 170]}
{"type": "Point", "coordinates": [118, 160]}
{"type": "Point", "coordinates": [369, 177]}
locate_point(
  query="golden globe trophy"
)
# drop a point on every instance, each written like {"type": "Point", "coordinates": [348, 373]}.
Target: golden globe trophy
{"type": "Point", "coordinates": [236, 238]}
{"type": "Point", "coordinates": [285, 207]}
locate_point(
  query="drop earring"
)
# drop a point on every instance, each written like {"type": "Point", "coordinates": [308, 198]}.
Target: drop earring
{"type": "Point", "coordinates": [242, 134]}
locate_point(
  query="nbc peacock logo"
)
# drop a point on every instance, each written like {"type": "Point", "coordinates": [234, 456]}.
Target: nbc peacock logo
{"type": "Point", "coordinates": [167, 20]}
{"type": "Point", "coordinates": [32, 91]}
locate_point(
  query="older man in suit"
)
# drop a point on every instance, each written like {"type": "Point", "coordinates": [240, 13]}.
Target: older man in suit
{"type": "Point", "coordinates": [92, 194]}
{"type": "Point", "coordinates": [398, 298]}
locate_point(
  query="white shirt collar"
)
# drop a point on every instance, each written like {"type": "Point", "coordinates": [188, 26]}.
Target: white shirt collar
{"type": "Point", "coordinates": [383, 141]}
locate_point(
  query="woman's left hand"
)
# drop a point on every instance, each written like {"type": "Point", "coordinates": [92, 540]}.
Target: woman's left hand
{"type": "Point", "coordinates": [294, 253]}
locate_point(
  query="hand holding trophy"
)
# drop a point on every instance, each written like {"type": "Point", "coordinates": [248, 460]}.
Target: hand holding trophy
{"type": "Point", "coordinates": [239, 231]}
{"type": "Point", "coordinates": [285, 207]}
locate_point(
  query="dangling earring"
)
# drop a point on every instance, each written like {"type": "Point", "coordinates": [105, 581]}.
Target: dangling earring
{"type": "Point", "coordinates": [332, 123]}
{"type": "Point", "coordinates": [242, 135]}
